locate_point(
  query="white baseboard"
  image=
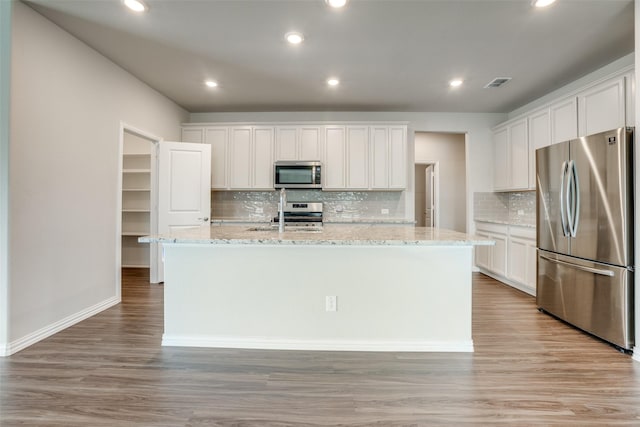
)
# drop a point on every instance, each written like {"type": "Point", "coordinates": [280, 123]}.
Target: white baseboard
{"type": "Point", "coordinates": [324, 345]}
{"type": "Point", "coordinates": [636, 354]}
{"type": "Point", "coordinates": [47, 331]}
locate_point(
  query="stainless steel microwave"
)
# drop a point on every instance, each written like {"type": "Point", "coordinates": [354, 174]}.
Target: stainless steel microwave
{"type": "Point", "coordinates": [297, 174]}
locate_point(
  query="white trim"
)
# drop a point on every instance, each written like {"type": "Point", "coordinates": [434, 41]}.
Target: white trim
{"type": "Point", "coordinates": [322, 345]}
{"type": "Point", "coordinates": [517, 285]}
{"type": "Point", "coordinates": [436, 187]}
{"type": "Point", "coordinates": [153, 259]}
{"type": "Point", "coordinates": [300, 123]}
{"type": "Point", "coordinates": [56, 327]}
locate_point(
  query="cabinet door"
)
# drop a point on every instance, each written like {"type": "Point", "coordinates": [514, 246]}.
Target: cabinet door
{"type": "Point", "coordinates": [379, 157]}
{"type": "Point", "coordinates": [286, 143]}
{"type": "Point", "coordinates": [397, 158]}
{"type": "Point", "coordinates": [263, 158]}
{"type": "Point", "coordinates": [218, 139]}
{"type": "Point", "coordinates": [630, 96]}
{"type": "Point", "coordinates": [358, 157]}
{"type": "Point", "coordinates": [193, 135]}
{"type": "Point", "coordinates": [482, 254]}
{"type": "Point", "coordinates": [500, 159]}
{"type": "Point", "coordinates": [518, 262]}
{"type": "Point", "coordinates": [519, 155]}
{"type": "Point", "coordinates": [499, 254]}
{"type": "Point", "coordinates": [602, 107]}
{"type": "Point", "coordinates": [240, 158]}
{"type": "Point", "coordinates": [532, 273]}
{"type": "Point", "coordinates": [539, 137]}
{"type": "Point", "coordinates": [310, 147]}
{"type": "Point", "coordinates": [564, 120]}
{"type": "Point", "coordinates": [334, 167]}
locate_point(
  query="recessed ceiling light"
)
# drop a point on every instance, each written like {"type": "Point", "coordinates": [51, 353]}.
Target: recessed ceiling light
{"type": "Point", "coordinates": [333, 81]}
{"type": "Point", "coordinates": [336, 3]}
{"type": "Point", "coordinates": [455, 82]}
{"type": "Point", "coordinates": [211, 83]}
{"type": "Point", "coordinates": [294, 37]}
{"type": "Point", "coordinates": [136, 5]}
{"type": "Point", "coordinates": [542, 3]}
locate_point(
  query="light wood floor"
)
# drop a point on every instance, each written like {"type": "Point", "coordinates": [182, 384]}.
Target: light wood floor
{"type": "Point", "coordinates": [528, 369]}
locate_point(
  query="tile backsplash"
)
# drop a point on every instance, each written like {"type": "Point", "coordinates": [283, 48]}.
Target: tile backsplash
{"type": "Point", "coordinates": [515, 207]}
{"type": "Point", "coordinates": [338, 205]}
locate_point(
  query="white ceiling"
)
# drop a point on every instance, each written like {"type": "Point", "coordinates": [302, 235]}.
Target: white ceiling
{"type": "Point", "coordinates": [390, 55]}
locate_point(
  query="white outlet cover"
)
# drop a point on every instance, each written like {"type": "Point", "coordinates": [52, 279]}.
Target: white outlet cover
{"type": "Point", "coordinates": [384, 211]}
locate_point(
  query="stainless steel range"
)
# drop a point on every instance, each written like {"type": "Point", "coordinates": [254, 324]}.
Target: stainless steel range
{"type": "Point", "coordinates": [301, 214]}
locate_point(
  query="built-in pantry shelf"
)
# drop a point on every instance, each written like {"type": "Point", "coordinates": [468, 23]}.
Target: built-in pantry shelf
{"type": "Point", "coordinates": [136, 200]}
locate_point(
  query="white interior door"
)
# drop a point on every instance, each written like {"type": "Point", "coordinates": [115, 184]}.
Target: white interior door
{"type": "Point", "coordinates": [429, 220]}
{"type": "Point", "coordinates": [184, 189]}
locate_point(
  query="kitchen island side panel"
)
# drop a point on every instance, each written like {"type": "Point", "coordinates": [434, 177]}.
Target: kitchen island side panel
{"type": "Point", "coordinates": [389, 298]}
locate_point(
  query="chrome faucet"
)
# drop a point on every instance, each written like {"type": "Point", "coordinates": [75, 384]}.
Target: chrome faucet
{"type": "Point", "coordinates": [283, 201]}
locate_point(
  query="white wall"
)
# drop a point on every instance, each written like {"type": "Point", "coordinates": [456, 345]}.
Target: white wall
{"type": "Point", "coordinates": [67, 103]}
{"type": "Point", "coordinates": [477, 127]}
{"type": "Point", "coordinates": [5, 68]}
{"type": "Point", "coordinates": [448, 149]}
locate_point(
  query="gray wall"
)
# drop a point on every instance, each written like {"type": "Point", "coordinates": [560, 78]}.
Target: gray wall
{"type": "Point", "coordinates": [67, 104]}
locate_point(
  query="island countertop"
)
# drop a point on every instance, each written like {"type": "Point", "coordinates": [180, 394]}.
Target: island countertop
{"type": "Point", "coordinates": [331, 234]}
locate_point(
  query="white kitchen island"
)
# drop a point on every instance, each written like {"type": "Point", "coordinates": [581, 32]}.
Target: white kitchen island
{"type": "Point", "coordinates": [397, 288]}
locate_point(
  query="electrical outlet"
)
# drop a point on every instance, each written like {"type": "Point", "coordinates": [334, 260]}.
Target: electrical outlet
{"type": "Point", "coordinates": [384, 211]}
{"type": "Point", "coordinates": [331, 303]}
{"type": "Point", "coordinates": [520, 212]}
{"type": "Point", "coordinates": [339, 208]}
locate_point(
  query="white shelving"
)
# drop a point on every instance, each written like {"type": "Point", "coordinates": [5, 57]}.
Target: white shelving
{"type": "Point", "coordinates": [136, 200]}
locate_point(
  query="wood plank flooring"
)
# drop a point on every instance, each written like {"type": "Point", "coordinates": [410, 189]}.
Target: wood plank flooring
{"type": "Point", "coordinates": [528, 370]}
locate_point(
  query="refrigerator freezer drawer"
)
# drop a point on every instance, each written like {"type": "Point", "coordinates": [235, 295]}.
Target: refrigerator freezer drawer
{"type": "Point", "coordinates": [595, 297]}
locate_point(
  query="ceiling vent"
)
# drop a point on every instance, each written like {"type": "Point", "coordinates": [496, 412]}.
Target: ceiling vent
{"type": "Point", "coordinates": [497, 82]}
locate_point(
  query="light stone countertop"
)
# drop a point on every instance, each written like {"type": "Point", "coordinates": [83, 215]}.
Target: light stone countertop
{"type": "Point", "coordinates": [505, 222]}
{"type": "Point", "coordinates": [331, 234]}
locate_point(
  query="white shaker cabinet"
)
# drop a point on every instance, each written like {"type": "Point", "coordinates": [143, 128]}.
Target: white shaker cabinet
{"type": "Point", "coordinates": [218, 139]}
{"type": "Point", "coordinates": [262, 158]}
{"type": "Point", "coordinates": [511, 156]}
{"type": "Point", "coordinates": [630, 94]}
{"type": "Point", "coordinates": [602, 107]}
{"type": "Point", "coordinates": [539, 137]}
{"type": "Point", "coordinates": [492, 258]}
{"type": "Point", "coordinates": [240, 157]}
{"type": "Point", "coordinates": [251, 158]}
{"type": "Point", "coordinates": [334, 175]}
{"type": "Point", "coordinates": [388, 145]}
{"type": "Point", "coordinates": [521, 255]}
{"type": "Point", "coordinates": [357, 170]}
{"type": "Point", "coordinates": [564, 120]}
{"type": "Point", "coordinates": [299, 143]}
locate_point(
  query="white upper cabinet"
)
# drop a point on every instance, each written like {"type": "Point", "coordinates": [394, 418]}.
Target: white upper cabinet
{"type": "Point", "coordinates": [630, 94]}
{"type": "Point", "coordinates": [602, 107]}
{"type": "Point", "coordinates": [388, 145]}
{"type": "Point", "coordinates": [564, 120]}
{"type": "Point", "coordinates": [262, 152]}
{"type": "Point", "coordinates": [539, 136]}
{"type": "Point", "coordinates": [334, 175]}
{"type": "Point", "coordinates": [358, 157]}
{"type": "Point", "coordinates": [511, 156]}
{"type": "Point", "coordinates": [501, 159]}
{"type": "Point", "coordinates": [299, 143]}
{"type": "Point", "coordinates": [218, 138]}
{"type": "Point", "coordinates": [519, 155]}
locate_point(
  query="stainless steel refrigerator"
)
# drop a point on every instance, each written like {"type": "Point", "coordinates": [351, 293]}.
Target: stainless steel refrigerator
{"type": "Point", "coordinates": [585, 234]}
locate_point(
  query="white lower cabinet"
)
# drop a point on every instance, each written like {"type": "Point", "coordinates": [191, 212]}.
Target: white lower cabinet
{"type": "Point", "coordinates": [513, 258]}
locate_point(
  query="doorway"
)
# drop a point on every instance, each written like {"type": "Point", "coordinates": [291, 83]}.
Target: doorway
{"type": "Point", "coordinates": [138, 201]}
{"type": "Point", "coordinates": [440, 180]}
{"type": "Point", "coordinates": [426, 194]}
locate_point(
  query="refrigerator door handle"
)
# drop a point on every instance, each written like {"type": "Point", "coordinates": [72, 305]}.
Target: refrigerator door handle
{"type": "Point", "coordinates": [575, 190]}
{"type": "Point", "coordinates": [563, 218]}
{"type": "Point", "coordinates": [580, 267]}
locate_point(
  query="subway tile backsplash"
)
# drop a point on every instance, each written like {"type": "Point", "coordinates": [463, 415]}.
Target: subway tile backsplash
{"type": "Point", "coordinates": [348, 206]}
{"type": "Point", "coordinates": [513, 208]}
